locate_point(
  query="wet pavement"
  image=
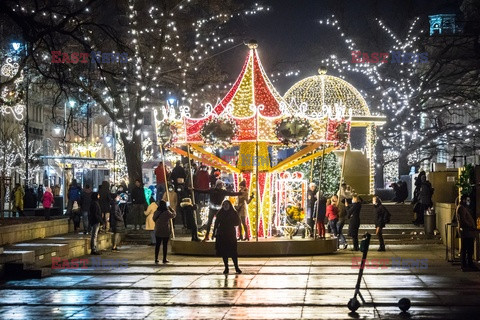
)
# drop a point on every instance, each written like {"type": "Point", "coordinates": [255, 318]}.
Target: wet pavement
{"type": "Point", "coordinates": [316, 287]}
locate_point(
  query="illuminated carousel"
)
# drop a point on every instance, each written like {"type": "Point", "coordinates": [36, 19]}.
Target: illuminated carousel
{"type": "Point", "coordinates": [254, 122]}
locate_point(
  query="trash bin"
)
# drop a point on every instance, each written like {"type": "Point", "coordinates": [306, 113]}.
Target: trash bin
{"type": "Point", "coordinates": [429, 222]}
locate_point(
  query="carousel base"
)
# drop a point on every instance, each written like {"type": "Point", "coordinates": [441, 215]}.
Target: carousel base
{"type": "Point", "coordinates": [264, 247]}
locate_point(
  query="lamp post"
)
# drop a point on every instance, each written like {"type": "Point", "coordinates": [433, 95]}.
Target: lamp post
{"type": "Point", "coordinates": [71, 103]}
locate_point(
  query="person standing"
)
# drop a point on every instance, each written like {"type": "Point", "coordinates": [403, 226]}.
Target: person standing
{"type": "Point", "coordinates": [332, 214]}
{"type": "Point", "coordinates": [73, 195]}
{"type": "Point", "coordinates": [117, 222]}
{"type": "Point", "coordinates": [320, 212]}
{"type": "Point", "coordinates": [243, 202]}
{"type": "Point", "coordinates": [95, 219]}
{"type": "Point", "coordinates": [424, 198]}
{"type": "Point", "coordinates": [161, 175]}
{"type": "Point", "coordinates": [178, 175]}
{"type": "Point", "coordinates": [342, 216]}
{"type": "Point", "coordinates": [353, 213]}
{"type": "Point", "coordinates": [380, 213]}
{"type": "Point", "coordinates": [40, 193]}
{"type": "Point", "coordinates": [138, 203]}
{"type": "Point", "coordinates": [217, 195]}
{"type": "Point", "coordinates": [201, 182]}
{"type": "Point", "coordinates": [188, 210]}
{"type": "Point", "coordinates": [468, 230]}
{"type": "Point", "coordinates": [226, 235]}
{"type": "Point", "coordinates": [85, 203]}
{"type": "Point", "coordinates": [47, 202]}
{"type": "Point", "coordinates": [163, 228]}
{"type": "Point", "coordinates": [311, 199]}
{"type": "Point", "coordinates": [149, 223]}
{"type": "Point", "coordinates": [105, 204]}
{"type": "Point", "coordinates": [18, 194]}
{"type": "Point", "coordinates": [171, 197]}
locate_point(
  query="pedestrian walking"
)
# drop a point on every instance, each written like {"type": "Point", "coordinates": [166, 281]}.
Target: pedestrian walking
{"type": "Point", "coordinates": [226, 235]}
{"type": "Point", "coordinates": [188, 210]}
{"type": "Point", "coordinates": [17, 196]}
{"type": "Point", "coordinates": [381, 218]}
{"type": "Point", "coordinates": [468, 231]}
{"type": "Point", "coordinates": [149, 223]}
{"type": "Point", "coordinates": [139, 204]}
{"type": "Point", "coordinates": [353, 214]}
{"type": "Point", "coordinates": [95, 219]}
{"type": "Point", "coordinates": [47, 202]}
{"type": "Point", "coordinates": [116, 221]}
{"type": "Point", "coordinates": [162, 218]}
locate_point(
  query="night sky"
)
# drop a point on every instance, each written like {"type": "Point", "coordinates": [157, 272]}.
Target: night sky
{"type": "Point", "coordinates": [290, 36]}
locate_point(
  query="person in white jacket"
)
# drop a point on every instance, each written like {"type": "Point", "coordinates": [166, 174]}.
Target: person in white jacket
{"type": "Point", "coordinates": [149, 223]}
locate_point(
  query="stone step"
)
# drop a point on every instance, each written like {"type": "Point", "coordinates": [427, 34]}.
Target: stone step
{"type": "Point", "coordinates": [19, 271]}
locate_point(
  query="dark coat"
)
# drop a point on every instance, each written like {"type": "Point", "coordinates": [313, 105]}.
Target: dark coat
{"type": "Point", "coordinates": [426, 192]}
{"type": "Point", "coordinates": [225, 233]}
{"type": "Point", "coordinates": [95, 213]}
{"type": "Point", "coordinates": [138, 196]}
{"type": "Point", "coordinates": [105, 197]}
{"type": "Point", "coordinates": [311, 198]}
{"type": "Point", "coordinates": [85, 200]}
{"type": "Point", "coordinates": [218, 195]}
{"type": "Point", "coordinates": [380, 214]}
{"type": "Point", "coordinates": [162, 222]}
{"type": "Point", "coordinates": [116, 218]}
{"type": "Point", "coordinates": [353, 213]}
{"type": "Point", "coordinates": [466, 224]}
{"type": "Point", "coordinates": [320, 208]}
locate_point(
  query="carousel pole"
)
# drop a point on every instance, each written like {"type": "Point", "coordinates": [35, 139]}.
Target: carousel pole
{"type": "Point", "coordinates": [312, 162]}
{"type": "Point", "coordinates": [191, 184]}
{"type": "Point", "coordinates": [320, 178]}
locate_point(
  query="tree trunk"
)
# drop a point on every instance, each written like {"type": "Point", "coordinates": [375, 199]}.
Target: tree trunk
{"type": "Point", "coordinates": [379, 178]}
{"type": "Point", "coordinates": [403, 167]}
{"type": "Point", "coordinates": [133, 154]}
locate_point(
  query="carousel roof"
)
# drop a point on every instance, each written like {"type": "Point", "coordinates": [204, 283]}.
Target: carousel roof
{"type": "Point", "coordinates": [252, 102]}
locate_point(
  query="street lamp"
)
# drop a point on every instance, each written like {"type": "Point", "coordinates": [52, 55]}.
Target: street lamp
{"type": "Point", "coordinates": [16, 46]}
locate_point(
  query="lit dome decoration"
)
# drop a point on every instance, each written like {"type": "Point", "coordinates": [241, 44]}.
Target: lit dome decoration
{"type": "Point", "coordinates": [324, 89]}
{"type": "Point", "coordinates": [322, 92]}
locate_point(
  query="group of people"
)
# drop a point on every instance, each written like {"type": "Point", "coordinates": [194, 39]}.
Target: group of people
{"type": "Point", "coordinates": [337, 209]}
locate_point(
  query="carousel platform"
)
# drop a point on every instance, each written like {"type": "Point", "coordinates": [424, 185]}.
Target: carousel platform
{"type": "Point", "coordinates": [264, 247]}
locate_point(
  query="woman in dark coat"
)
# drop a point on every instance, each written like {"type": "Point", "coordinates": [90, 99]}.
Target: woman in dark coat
{"type": "Point", "coordinates": [353, 213]}
{"type": "Point", "coordinates": [116, 221]}
{"type": "Point", "coordinates": [226, 235]}
{"type": "Point", "coordinates": [105, 203]}
{"type": "Point", "coordinates": [163, 228]}
{"type": "Point", "coordinates": [380, 214]}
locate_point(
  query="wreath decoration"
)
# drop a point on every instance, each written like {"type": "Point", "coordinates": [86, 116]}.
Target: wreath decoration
{"type": "Point", "coordinates": [219, 132]}
{"type": "Point", "coordinates": [293, 130]}
{"type": "Point", "coordinates": [166, 133]}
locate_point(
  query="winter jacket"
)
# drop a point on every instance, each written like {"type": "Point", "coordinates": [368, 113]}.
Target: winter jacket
{"type": "Point", "coordinates": [332, 212]}
{"type": "Point", "coordinates": [116, 218]}
{"type": "Point", "coordinates": [138, 196]}
{"type": "Point", "coordinates": [18, 195]}
{"type": "Point", "coordinates": [95, 213]}
{"type": "Point", "coordinates": [320, 208]}
{"type": "Point", "coordinates": [243, 201]}
{"type": "Point", "coordinates": [162, 222]}
{"type": "Point", "coordinates": [311, 198]}
{"type": "Point", "coordinates": [149, 223]}
{"type": "Point", "coordinates": [172, 195]}
{"type": "Point", "coordinates": [202, 180]}
{"type": "Point", "coordinates": [178, 172]}
{"type": "Point", "coordinates": [426, 192]}
{"type": "Point", "coordinates": [47, 199]}
{"type": "Point", "coordinates": [160, 174]}
{"type": "Point", "coordinates": [74, 193]}
{"type": "Point", "coordinates": [466, 224]}
{"type": "Point", "coordinates": [353, 213]}
{"type": "Point", "coordinates": [218, 195]}
{"type": "Point", "coordinates": [380, 214]}
{"type": "Point", "coordinates": [105, 197]}
{"type": "Point", "coordinates": [85, 200]}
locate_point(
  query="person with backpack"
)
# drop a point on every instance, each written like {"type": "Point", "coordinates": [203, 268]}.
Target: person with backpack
{"type": "Point", "coordinates": [73, 195]}
{"type": "Point", "coordinates": [382, 217]}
